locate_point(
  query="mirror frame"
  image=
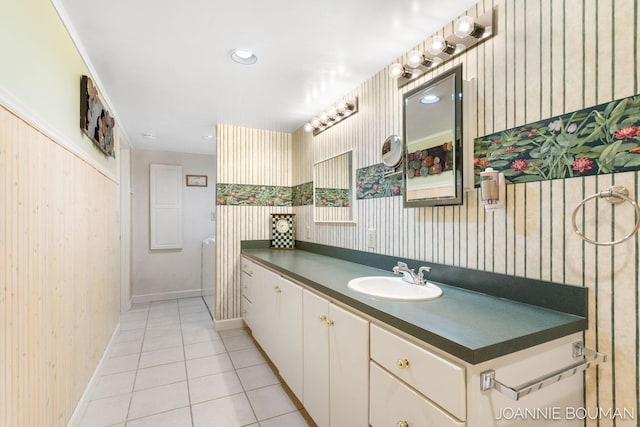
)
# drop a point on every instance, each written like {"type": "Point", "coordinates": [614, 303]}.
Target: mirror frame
{"type": "Point", "coordinates": [352, 190]}
{"type": "Point", "coordinates": [457, 199]}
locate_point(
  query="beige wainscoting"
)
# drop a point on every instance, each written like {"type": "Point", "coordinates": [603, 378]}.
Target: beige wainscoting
{"type": "Point", "coordinates": [59, 274]}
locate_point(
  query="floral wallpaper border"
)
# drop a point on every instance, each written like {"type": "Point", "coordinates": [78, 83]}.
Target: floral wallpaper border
{"type": "Point", "coordinates": [599, 140]}
{"type": "Point", "coordinates": [264, 195]}
{"type": "Point", "coordinates": [371, 183]}
{"type": "Point", "coordinates": [252, 195]}
{"type": "Point", "coordinates": [302, 194]}
{"type": "Point", "coordinates": [332, 197]}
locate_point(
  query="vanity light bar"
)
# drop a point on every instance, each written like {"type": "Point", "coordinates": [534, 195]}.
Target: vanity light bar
{"type": "Point", "coordinates": [467, 32]}
{"type": "Point", "coordinates": [335, 114]}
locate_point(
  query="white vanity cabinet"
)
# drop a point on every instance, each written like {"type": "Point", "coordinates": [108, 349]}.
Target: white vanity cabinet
{"type": "Point", "coordinates": [336, 364]}
{"type": "Point", "coordinates": [413, 385]}
{"type": "Point", "coordinates": [274, 315]}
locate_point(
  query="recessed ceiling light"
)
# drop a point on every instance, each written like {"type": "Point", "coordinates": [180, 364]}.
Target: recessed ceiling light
{"type": "Point", "coordinates": [208, 137]}
{"type": "Point", "coordinates": [149, 135]}
{"type": "Point", "coordinates": [429, 99]}
{"type": "Point", "coordinates": [243, 56]}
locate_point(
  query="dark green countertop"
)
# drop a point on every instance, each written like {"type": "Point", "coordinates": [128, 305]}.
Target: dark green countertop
{"type": "Point", "coordinates": [469, 325]}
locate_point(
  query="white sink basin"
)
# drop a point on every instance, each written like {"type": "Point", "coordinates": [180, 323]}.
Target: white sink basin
{"type": "Point", "coordinates": [394, 288]}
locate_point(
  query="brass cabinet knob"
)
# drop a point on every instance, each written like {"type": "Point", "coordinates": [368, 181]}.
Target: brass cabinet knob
{"type": "Point", "coordinates": [329, 322]}
{"type": "Point", "coordinates": [277, 289]}
{"type": "Point", "coordinates": [402, 423]}
{"type": "Point", "coordinates": [323, 318]}
{"type": "Point", "coordinates": [402, 363]}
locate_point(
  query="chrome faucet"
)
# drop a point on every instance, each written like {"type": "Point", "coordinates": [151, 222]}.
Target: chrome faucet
{"type": "Point", "coordinates": [409, 275]}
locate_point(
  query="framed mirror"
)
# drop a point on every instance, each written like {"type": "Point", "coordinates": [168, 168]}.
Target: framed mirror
{"type": "Point", "coordinates": [333, 189]}
{"type": "Point", "coordinates": [433, 147]}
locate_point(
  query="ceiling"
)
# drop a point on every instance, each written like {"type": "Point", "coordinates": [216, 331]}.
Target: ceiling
{"type": "Point", "coordinates": [165, 66]}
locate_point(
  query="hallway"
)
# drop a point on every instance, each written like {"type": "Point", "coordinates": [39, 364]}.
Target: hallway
{"type": "Point", "coordinates": [169, 367]}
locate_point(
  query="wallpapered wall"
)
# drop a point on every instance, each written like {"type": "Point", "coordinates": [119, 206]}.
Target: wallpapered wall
{"type": "Point", "coordinates": [548, 58]}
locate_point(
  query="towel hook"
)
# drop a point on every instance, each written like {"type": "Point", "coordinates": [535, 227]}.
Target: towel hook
{"type": "Point", "coordinates": [614, 195]}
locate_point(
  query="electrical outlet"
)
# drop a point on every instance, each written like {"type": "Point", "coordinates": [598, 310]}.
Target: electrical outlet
{"type": "Point", "coordinates": [371, 238]}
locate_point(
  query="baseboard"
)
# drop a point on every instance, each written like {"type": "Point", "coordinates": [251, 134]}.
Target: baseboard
{"type": "Point", "coordinates": [222, 325]}
{"type": "Point", "coordinates": [78, 412]}
{"type": "Point", "coordinates": [137, 299]}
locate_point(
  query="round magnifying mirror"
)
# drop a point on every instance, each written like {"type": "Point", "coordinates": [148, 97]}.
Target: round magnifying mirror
{"type": "Point", "coordinates": [392, 151]}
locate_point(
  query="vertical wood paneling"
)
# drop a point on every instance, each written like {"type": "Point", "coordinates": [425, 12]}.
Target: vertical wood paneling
{"type": "Point", "coordinates": [59, 274]}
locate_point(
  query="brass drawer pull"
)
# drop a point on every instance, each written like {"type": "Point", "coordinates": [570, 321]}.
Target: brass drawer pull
{"type": "Point", "coordinates": [329, 322]}
{"type": "Point", "coordinates": [323, 318]}
{"type": "Point", "coordinates": [402, 363]}
{"type": "Point", "coordinates": [402, 423]}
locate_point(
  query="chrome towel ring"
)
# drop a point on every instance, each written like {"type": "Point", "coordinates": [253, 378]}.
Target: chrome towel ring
{"type": "Point", "coordinates": [615, 195]}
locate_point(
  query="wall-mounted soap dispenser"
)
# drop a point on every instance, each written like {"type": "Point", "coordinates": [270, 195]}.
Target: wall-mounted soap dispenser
{"type": "Point", "coordinates": [493, 189]}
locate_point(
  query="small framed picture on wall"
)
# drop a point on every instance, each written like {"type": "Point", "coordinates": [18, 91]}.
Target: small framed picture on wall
{"type": "Point", "coordinates": [197, 180]}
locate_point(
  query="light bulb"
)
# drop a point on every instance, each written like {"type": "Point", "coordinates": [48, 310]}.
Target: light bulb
{"type": "Point", "coordinates": [308, 127]}
{"type": "Point", "coordinates": [324, 117]}
{"type": "Point", "coordinates": [333, 112]}
{"type": "Point", "coordinates": [315, 122]}
{"type": "Point", "coordinates": [437, 44]}
{"type": "Point", "coordinates": [396, 70]}
{"type": "Point", "coordinates": [415, 59]}
{"type": "Point", "coordinates": [466, 26]}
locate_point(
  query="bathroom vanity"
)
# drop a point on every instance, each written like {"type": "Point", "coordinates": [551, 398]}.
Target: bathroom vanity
{"type": "Point", "coordinates": [357, 360]}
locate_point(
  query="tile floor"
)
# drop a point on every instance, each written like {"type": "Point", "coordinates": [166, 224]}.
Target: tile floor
{"type": "Point", "coordinates": [169, 367]}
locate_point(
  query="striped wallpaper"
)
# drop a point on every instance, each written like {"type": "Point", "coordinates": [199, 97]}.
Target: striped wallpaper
{"type": "Point", "coordinates": [549, 57]}
{"type": "Point", "coordinates": [249, 157]}
{"type": "Point", "coordinates": [59, 274]}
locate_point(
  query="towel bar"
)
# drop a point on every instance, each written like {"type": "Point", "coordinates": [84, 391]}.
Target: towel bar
{"type": "Point", "coordinates": [589, 358]}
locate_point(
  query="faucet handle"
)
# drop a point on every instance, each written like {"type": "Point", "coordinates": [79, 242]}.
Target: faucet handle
{"type": "Point", "coordinates": [400, 267]}
{"type": "Point", "coordinates": [421, 272]}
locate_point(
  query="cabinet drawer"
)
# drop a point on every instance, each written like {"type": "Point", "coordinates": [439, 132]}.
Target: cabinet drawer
{"type": "Point", "coordinates": [438, 379]}
{"type": "Point", "coordinates": [392, 402]}
{"type": "Point", "coordinates": [247, 278]}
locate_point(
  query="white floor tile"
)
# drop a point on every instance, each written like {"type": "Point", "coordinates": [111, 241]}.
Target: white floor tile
{"type": "Point", "coordinates": [147, 379]}
{"type": "Point", "coordinates": [232, 332]}
{"type": "Point", "coordinates": [228, 411]}
{"type": "Point", "coordinates": [161, 331]}
{"type": "Point", "coordinates": [176, 418]}
{"type": "Point", "coordinates": [113, 385]}
{"type": "Point", "coordinates": [118, 364]}
{"type": "Point", "coordinates": [160, 375]}
{"type": "Point", "coordinates": [257, 376]}
{"type": "Point", "coordinates": [214, 386]}
{"type": "Point", "coordinates": [202, 349]}
{"type": "Point", "coordinates": [161, 357]}
{"type": "Point", "coordinates": [192, 336]}
{"type": "Point", "coordinates": [292, 419]}
{"type": "Point", "coordinates": [127, 347]}
{"type": "Point", "coordinates": [239, 342]}
{"type": "Point", "coordinates": [105, 412]}
{"type": "Point", "coordinates": [130, 335]}
{"type": "Point", "coordinates": [269, 402]}
{"type": "Point", "coordinates": [163, 321]}
{"type": "Point", "coordinates": [158, 399]}
{"type": "Point", "coordinates": [160, 342]}
{"type": "Point", "coordinates": [127, 325]}
{"type": "Point", "coordinates": [247, 357]}
{"type": "Point", "coordinates": [208, 365]}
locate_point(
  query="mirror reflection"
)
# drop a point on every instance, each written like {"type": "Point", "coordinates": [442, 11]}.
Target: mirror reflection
{"type": "Point", "coordinates": [333, 191]}
{"type": "Point", "coordinates": [432, 133]}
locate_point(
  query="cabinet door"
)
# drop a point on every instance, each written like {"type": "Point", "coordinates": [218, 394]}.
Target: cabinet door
{"type": "Point", "coordinates": [349, 368]}
{"type": "Point", "coordinates": [288, 335]}
{"type": "Point", "coordinates": [316, 357]}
